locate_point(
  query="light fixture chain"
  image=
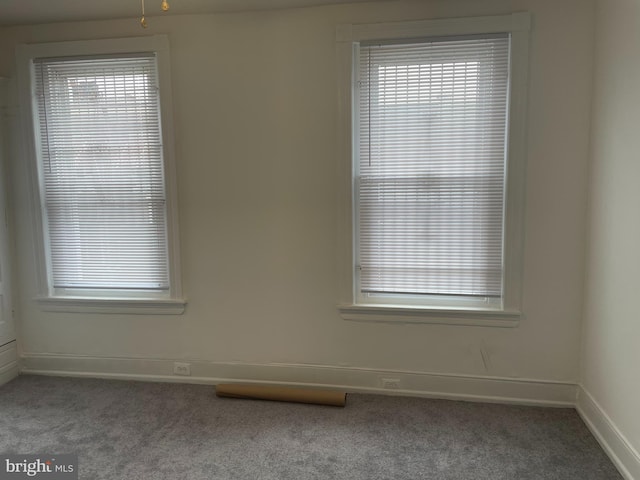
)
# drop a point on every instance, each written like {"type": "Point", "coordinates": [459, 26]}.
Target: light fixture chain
{"type": "Point", "coordinates": [143, 21]}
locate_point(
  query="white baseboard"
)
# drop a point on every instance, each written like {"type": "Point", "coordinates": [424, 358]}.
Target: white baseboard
{"type": "Point", "coordinates": [364, 380]}
{"type": "Point", "coordinates": [9, 372]}
{"type": "Point", "coordinates": [9, 366]}
{"type": "Point", "coordinates": [456, 387]}
{"type": "Point", "coordinates": [622, 454]}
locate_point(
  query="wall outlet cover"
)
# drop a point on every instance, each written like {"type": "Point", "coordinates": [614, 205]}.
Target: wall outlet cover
{"type": "Point", "coordinates": [180, 368]}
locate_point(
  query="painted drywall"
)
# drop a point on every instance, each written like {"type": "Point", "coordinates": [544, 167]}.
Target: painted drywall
{"type": "Point", "coordinates": [255, 99]}
{"type": "Point", "coordinates": [611, 355]}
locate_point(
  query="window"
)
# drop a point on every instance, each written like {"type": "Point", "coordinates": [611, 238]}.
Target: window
{"type": "Point", "coordinates": [105, 190]}
{"type": "Point", "coordinates": [437, 168]}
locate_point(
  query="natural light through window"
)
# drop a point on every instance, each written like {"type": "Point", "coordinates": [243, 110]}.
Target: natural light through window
{"type": "Point", "coordinates": [103, 173]}
{"type": "Point", "coordinates": [430, 170]}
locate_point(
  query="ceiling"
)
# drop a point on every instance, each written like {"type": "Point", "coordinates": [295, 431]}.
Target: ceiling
{"type": "Point", "coordinates": [23, 12]}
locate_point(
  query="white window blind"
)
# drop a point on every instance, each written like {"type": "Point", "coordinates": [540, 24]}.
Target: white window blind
{"type": "Point", "coordinates": [430, 166]}
{"type": "Point", "coordinates": [102, 170]}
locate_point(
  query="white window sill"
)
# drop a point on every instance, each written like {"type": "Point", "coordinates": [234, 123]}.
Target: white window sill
{"type": "Point", "coordinates": [444, 316]}
{"type": "Point", "coordinates": [112, 305]}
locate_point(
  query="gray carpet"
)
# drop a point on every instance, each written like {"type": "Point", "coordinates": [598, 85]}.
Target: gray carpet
{"type": "Point", "coordinates": [147, 431]}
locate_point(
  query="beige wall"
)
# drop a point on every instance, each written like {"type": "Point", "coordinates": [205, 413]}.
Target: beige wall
{"type": "Point", "coordinates": [611, 353]}
{"type": "Point", "coordinates": [255, 100]}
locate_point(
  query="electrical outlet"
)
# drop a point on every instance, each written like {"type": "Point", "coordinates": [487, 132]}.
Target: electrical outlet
{"type": "Point", "coordinates": [391, 383]}
{"type": "Point", "coordinates": [180, 368]}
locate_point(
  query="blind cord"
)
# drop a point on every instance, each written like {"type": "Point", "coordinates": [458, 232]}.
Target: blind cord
{"type": "Point", "coordinates": [46, 118]}
{"type": "Point", "coordinates": [369, 102]}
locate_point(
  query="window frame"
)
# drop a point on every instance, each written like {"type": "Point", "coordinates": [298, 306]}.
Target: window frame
{"type": "Point", "coordinates": [98, 301]}
{"type": "Point", "coordinates": [348, 37]}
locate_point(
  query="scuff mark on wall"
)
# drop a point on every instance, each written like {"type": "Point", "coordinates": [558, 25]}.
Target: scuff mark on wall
{"type": "Point", "coordinates": [486, 360]}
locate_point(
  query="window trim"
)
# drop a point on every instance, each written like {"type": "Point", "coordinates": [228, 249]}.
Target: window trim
{"type": "Point", "coordinates": [160, 306]}
{"type": "Point", "coordinates": [348, 35]}
{"type": "Point", "coordinates": [46, 298]}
